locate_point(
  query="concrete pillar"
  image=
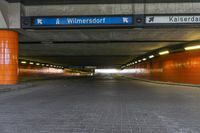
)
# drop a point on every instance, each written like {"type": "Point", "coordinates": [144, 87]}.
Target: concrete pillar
{"type": "Point", "coordinates": [8, 57]}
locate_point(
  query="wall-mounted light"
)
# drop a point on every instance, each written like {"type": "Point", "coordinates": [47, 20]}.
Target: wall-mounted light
{"type": "Point", "coordinates": [136, 62]}
{"type": "Point", "coordinates": [23, 62]}
{"type": "Point", "coordinates": [139, 60]}
{"type": "Point", "coordinates": [164, 52]}
{"type": "Point", "coordinates": [31, 63]}
{"type": "Point", "coordinates": [192, 47]}
{"type": "Point", "coordinates": [37, 64]}
{"type": "Point", "coordinates": [144, 59]}
{"type": "Point", "coordinates": [47, 65]}
{"type": "Point", "coordinates": [43, 64]}
{"type": "Point", "coordinates": [151, 56]}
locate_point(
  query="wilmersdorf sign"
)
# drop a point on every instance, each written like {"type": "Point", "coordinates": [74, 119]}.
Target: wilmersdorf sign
{"type": "Point", "coordinates": [78, 21]}
{"type": "Point", "coordinates": [172, 19]}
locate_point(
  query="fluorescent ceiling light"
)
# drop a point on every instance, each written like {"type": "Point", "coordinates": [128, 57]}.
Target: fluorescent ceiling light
{"type": "Point", "coordinates": [151, 56]}
{"type": "Point", "coordinates": [163, 52]}
{"type": "Point", "coordinates": [23, 62]}
{"type": "Point", "coordinates": [144, 59]}
{"type": "Point", "coordinates": [192, 47]}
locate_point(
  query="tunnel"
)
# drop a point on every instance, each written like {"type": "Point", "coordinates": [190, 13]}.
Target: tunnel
{"type": "Point", "coordinates": [106, 66]}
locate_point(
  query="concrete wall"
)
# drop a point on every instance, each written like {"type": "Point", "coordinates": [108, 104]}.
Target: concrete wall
{"type": "Point", "coordinates": [170, 8]}
{"type": "Point", "coordinates": [110, 9]}
{"type": "Point", "coordinates": [10, 12]}
{"type": "Point", "coordinates": [182, 67]}
{"type": "Point", "coordinates": [10, 15]}
{"type": "Point", "coordinates": [3, 14]}
{"type": "Point", "coordinates": [90, 9]}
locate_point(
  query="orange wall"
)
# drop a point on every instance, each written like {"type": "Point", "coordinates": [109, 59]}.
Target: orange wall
{"type": "Point", "coordinates": [8, 57]}
{"type": "Point", "coordinates": [182, 67]}
{"type": "Point", "coordinates": [31, 71]}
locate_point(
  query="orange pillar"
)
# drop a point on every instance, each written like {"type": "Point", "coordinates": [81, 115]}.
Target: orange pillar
{"type": "Point", "coordinates": [8, 57]}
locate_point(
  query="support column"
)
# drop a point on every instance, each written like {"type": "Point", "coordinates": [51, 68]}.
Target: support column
{"type": "Point", "coordinates": [8, 57]}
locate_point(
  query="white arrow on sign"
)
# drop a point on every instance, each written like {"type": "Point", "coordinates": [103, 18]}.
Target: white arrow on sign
{"type": "Point", "coordinates": [39, 21]}
{"type": "Point", "coordinates": [125, 20]}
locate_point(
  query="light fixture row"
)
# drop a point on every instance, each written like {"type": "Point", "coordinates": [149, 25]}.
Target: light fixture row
{"type": "Point", "coordinates": [41, 64]}
{"type": "Point", "coordinates": [188, 48]}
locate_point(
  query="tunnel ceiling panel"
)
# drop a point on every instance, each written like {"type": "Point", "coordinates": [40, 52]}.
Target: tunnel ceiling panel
{"type": "Point", "coordinates": [99, 35]}
{"type": "Point", "coordinates": [99, 47]}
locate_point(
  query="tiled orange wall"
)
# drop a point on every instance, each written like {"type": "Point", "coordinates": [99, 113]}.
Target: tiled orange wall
{"type": "Point", "coordinates": [182, 67]}
{"type": "Point", "coordinates": [31, 71]}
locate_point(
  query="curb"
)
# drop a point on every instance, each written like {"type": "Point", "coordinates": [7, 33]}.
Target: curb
{"type": "Point", "coordinates": [23, 84]}
{"type": "Point", "coordinates": [162, 82]}
{"type": "Point", "coordinates": [7, 88]}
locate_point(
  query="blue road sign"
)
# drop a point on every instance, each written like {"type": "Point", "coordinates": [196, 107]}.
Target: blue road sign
{"type": "Point", "coordinates": [125, 20]}
{"type": "Point", "coordinates": [78, 21]}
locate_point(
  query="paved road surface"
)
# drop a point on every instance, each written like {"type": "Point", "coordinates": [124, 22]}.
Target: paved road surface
{"type": "Point", "coordinates": [100, 106]}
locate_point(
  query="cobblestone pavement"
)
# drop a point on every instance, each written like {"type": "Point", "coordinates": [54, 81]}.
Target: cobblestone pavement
{"type": "Point", "coordinates": [100, 106]}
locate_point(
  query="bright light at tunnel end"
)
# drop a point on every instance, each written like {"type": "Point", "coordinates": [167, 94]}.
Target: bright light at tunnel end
{"type": "Point", "coordinates": [114, 71]}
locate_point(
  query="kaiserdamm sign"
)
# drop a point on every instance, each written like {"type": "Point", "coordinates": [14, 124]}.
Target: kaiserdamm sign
{"type": "Point", "coordinates": [78, 21]}
{"type": "Point", "coordinates": [173, 19]}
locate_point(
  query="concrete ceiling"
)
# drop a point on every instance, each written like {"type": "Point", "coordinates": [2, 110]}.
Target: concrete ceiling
{"type": "Point", "coordinates": [87, 54]}
{"type": "Point", "coordinates": [108, 35]}
{"type": "Point", "coordinates": [98, 47]}
{"type": "Point", "coordinates": [51, 2]}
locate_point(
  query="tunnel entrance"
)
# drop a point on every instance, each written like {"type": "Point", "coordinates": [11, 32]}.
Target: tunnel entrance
{"type": "Point", "coordinates": [106, 66]}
